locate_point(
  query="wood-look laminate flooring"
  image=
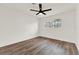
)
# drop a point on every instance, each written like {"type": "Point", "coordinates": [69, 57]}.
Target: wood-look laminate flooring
{"type": "Point", "coordinates": [40, 46]}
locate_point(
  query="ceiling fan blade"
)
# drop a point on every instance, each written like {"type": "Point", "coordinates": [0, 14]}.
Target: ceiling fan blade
{"type": "Point", "coordinates": [37, 13]}
{"type": "Point", "coordinates": [47, 10]}
{"type": "Point", "coordinates": [43, 13]}
{"type": "Point", "coordinates": [40, 6]}
{"type": "Point", "coordinates": [34, 10]}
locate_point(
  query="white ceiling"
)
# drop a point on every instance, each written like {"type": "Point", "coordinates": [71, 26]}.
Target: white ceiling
{"type": "Point", "coordinates": [25, 8]}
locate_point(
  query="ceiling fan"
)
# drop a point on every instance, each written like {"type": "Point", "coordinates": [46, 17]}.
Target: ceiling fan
{"type": "Point", "coordinates": [40, 10]}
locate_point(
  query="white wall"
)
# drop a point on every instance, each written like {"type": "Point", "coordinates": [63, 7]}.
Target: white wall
{"type": "Point", "coordinates": [68, 30]}
{"type": "Point", "coordinates": [16, 26]}
{"type": "Point", "coordinates": [77, 26]}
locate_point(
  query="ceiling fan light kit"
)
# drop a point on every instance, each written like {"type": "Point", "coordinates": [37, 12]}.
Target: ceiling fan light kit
{"type": "Point", "coordinates": [41, 10]}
